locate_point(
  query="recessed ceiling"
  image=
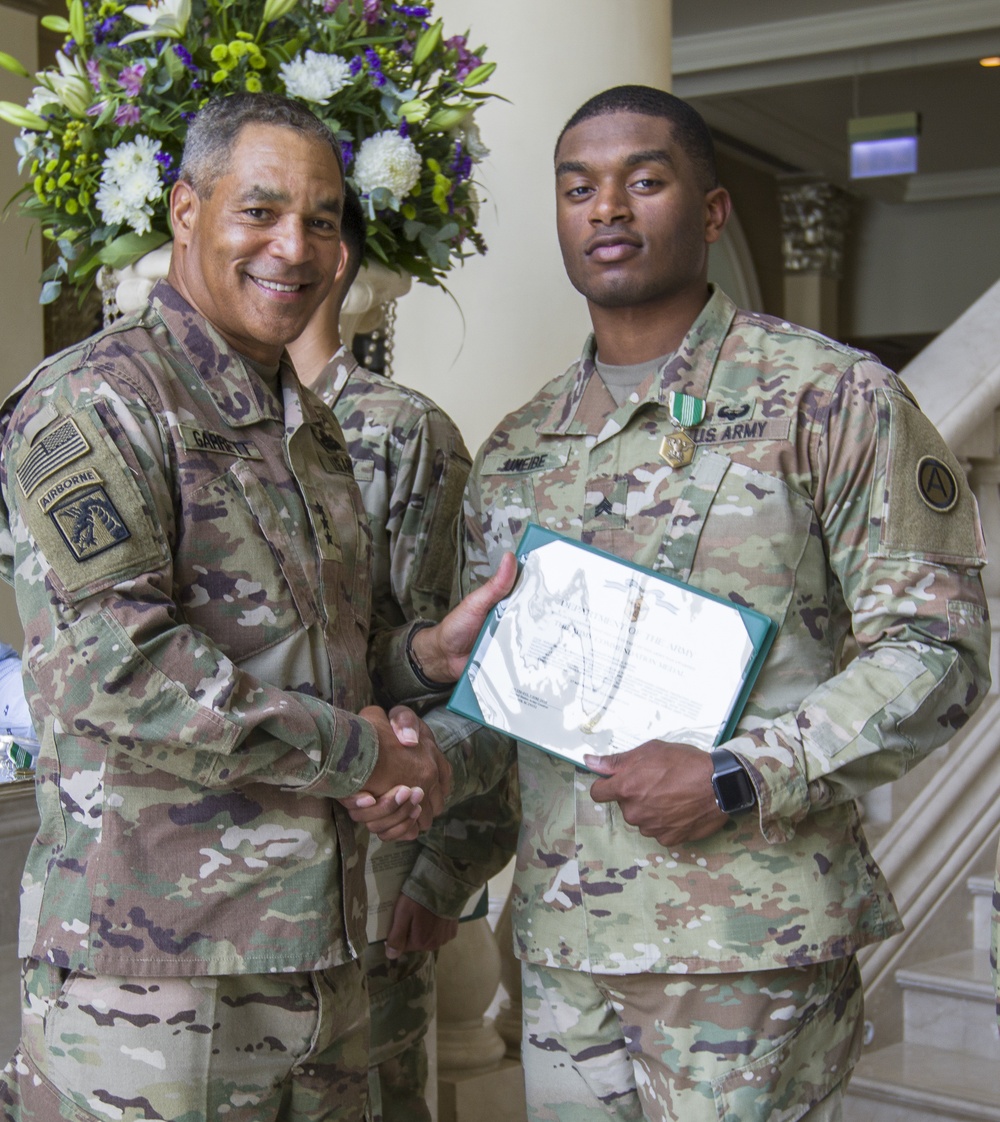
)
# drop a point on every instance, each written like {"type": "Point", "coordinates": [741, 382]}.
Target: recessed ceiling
{"type": "Point", "coordinates": [784, 83]}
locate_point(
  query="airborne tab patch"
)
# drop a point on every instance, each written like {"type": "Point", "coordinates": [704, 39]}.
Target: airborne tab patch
{"type": "Point", "coordinates": [66, 486]}
{"type": "Point", "coordinates": [60, 447]}
{"type": "Point", "coordinates": [89, 523]}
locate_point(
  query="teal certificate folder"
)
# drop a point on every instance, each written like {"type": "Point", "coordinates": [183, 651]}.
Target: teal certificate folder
{"type": "Point", "coordinates": [591, 655]}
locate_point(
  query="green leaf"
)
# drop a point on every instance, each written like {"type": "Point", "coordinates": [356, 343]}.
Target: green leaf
{"type": "Point", "coordinates": [428, 42]}
{"type": "Point", "coordinates": [130, 247]}
{"type": "Point", "coordinates": [479, 75]}
{"type": "Point", "coordinates": [51, 292]}
{"type": "Point", "coordinates": [8, 62]}
{"type": "Point", "coordinates": [56, 23]}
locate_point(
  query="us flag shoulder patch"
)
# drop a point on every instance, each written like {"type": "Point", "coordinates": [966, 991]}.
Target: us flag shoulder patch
{"type": "Point", "coordinates": [50, 454]}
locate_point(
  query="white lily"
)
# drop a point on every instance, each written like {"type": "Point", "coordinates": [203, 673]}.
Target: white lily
{"type": "Point", "coordinates": [70, 86]}
{"type": "Point", "coordinates": [166, 18]}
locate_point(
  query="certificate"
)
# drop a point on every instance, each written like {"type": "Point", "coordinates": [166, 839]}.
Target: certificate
{"type": "Point", "coordinates": [591, 655]}
{"type": "Point", "coordinates": [386, 870]}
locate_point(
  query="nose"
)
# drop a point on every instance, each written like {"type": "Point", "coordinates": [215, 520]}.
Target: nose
{"type": "Point", "coordinates": [610, 204]}
{"type": "Point", "coordinates": [290, 240]}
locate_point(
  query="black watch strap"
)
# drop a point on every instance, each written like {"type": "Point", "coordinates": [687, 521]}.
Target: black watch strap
{"type": "Point", "coordinates": [734, 792]}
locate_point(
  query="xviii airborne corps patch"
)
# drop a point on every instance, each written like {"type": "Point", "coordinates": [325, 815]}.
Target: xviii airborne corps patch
{"type": "Point", "coordinates": [89, 523]}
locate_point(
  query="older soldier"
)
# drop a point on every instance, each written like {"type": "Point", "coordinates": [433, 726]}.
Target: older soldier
{"type": "Point", "coordinates": [411, 465]}
{"type": "Point", "coordinates": [191, 563]}
{"type": "Point", "coordinates": [688, 922]}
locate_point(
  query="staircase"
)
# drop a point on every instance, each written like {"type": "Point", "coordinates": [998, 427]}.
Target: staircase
{"type": "Point", "coordinates": [947, 1065]}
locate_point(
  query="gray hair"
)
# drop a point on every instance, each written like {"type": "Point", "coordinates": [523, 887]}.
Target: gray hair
{"type": "Point", "coordinates": [213, 133]}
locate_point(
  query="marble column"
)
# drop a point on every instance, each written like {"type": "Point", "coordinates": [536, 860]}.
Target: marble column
{"type": "Point", "coordinates": [814, 219]}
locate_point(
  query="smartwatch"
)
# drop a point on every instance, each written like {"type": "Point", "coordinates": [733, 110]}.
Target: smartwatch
{"type": "Point", "coordinates": [734, 792]}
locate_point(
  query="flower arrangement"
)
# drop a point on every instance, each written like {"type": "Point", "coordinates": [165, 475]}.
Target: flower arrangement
{"type": "Point", "coordinates": [102, 133]}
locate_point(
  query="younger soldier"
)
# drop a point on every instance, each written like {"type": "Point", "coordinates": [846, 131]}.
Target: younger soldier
{"type": "Point", "coordinates": [688, 923]}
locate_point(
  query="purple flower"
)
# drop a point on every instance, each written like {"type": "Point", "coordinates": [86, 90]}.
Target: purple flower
{"type": "Point", "coordinates": [416, 10]}
{"type": "Point", "coordinates": [130, 79]}
{"type": "Point", "coordinates": [467, 61]}
{"type": "Point", "coordinates": [356, 63]}
{"type": "Point", "coordinates": [166, 162]}
{"type": "Point", "coordinates": [372, 12]}
{"type": "Point", "coordinates": [69, 48]}
{"type": "Point", "coordinates": [126, 115]}
{"type": "Point", "coordinates": [103, 30]}
{"type": "Point", "coordinates": [94, 73]}
{"type": "Point", "coordinates": [330, 6]}
{"type": "Point", "coordinates": [374, 67]}
{"type": "Point", "coordinates": [347, 151]}
{"type": "Point", "coordinates": [185, 56]}
{"type": "Point", "coordinates": [461, 165]}
{"type": "Point", "coordinates": [404, 127]}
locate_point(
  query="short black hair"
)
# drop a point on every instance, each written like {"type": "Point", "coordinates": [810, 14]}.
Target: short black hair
{"type": "Point", "coordinates": [686, 123]}
{"type": "Point", "coordinates": [213, 133]}
{"type": "Point", "coordinates": [353, 232]}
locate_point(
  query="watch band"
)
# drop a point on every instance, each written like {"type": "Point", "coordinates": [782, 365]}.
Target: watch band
{"type": "Point", "coordinates": [734, 792]}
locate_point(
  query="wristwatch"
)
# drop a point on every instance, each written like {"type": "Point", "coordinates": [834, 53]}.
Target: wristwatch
{"type": "Point", "coordinates": [734, 792]}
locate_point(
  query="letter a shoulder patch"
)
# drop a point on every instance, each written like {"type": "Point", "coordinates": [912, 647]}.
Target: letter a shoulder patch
{"type": "Point", "coordinates": [928, 510]}
{"type": "Point", "coordinates": [83, 507]}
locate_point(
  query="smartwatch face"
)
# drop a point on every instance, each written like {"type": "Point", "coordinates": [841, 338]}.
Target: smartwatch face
{"type": "Point", "coordinates": [733, 790]}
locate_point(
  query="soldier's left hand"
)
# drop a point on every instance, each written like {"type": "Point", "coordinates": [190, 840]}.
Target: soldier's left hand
{"type": "Point", "coordinates": [416, 928]}
{"type": "Point", "coordinates": [665, 790]}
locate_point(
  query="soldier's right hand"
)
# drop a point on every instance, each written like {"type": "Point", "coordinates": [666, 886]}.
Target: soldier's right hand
{"type": "Point", "coordinates": [410, 780]}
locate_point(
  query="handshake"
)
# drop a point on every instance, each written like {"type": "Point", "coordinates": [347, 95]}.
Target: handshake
{"type": "Point", "coordinates": [410, 782]}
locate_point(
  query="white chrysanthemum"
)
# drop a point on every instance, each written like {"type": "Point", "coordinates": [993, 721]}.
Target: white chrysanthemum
{"type": "Point", "coordinates": [111, 203]}
{"type": "Point", "coordinates": [315, 77]}
{"type": "Point", "coordinates": [387, 160]}
{"type": "Point", "coordinates": [130, 183]}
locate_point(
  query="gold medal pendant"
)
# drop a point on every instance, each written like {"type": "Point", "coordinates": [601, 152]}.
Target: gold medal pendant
{"type": "Point", "coordinates": [677, 449]}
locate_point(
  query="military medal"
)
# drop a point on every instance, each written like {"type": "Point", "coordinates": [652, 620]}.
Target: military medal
{"type": "Point", "coordinates": [677, 449]}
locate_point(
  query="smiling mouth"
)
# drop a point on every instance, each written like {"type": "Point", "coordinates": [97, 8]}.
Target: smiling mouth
{"type": "Point", "coordinates": [276, 286]}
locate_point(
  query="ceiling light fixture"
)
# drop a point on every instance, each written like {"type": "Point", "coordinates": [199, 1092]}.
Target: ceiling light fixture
{"type": "Point", "coordinates": [992, 60]}
{"type": "Point", "coordinates": [885, 145]}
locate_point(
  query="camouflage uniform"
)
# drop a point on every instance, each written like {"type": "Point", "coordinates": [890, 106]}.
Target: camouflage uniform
{"type": "Point", "coordinates": [819, 495]}
{"type": "Point", "coordinates": [192, 567]}
{"type": "Point", "coordinates": [411, 466]}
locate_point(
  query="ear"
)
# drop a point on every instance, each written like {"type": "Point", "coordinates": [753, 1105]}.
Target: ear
{"type": "Point", "coordinates": [718, 207]}
{"type": "Point", "coordinates": [184, 207]}
{"type": "Point", "coordinates": [342, 265]}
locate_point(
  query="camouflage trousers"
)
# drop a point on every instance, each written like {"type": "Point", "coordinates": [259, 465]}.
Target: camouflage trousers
{"type": "Point", "coordinates": [402, 997]}
{"type": "Point", "coordinates": [767, 1045]}
{"type": "Point", "coordinates": [244, 1048]}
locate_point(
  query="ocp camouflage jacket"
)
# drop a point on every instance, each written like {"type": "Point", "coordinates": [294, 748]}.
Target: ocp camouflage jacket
{"type": "Point", "coordinates": [820, 495]}
{"type": "Point", "coordinates": [192, 567]}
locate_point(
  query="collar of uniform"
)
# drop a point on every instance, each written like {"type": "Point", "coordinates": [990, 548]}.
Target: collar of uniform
{"type": "Point", "coordinates": [239, 395]}
{"type": "Point", "coordinates": [335, 376]}
{"type": "Point", "coordinates": [688, 371]}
